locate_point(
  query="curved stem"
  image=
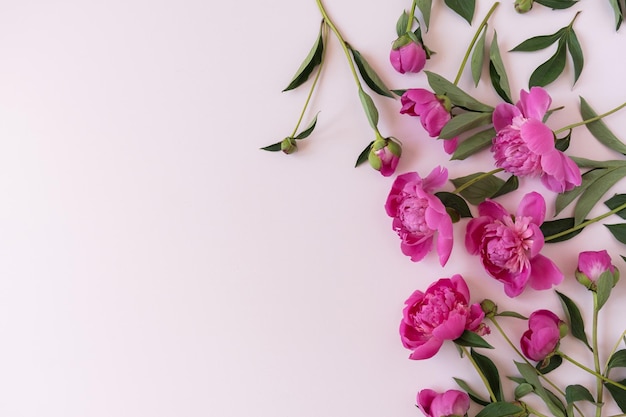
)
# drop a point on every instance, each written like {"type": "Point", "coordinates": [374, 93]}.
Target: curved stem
{"type": "Point", "coordinates": [585, 223]}
{"type": "Point", "coordinates": [476, 179]}
{"type": "Point", "coordinates": [317, 77]}
{"type": "Point", "coordinates": [473, 42]}
{"type": "Point", "coordinates": [480, 373]}
{"type": "Point", "coordinates": [591, 120]}
{"type": "Point", "coordinates": [411, 16]}
{"type": "Point", "coordinates": [591, 371]}
{"type": "Point", "coordinates": [596, 356]}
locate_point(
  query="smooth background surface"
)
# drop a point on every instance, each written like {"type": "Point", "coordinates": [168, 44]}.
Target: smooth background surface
{"type": "Point", "coordinates": [154, 262]}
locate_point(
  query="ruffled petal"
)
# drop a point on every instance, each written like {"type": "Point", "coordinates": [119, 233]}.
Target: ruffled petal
{"type": "Point", "coordinates": [537, 136]}
{"type": "Point", "coordinates": [533, 205]}
{"type": "Point", "coordinates": [437, 177]}
{"type": "Point", "coordinates": [544, 273]}
{"type": "Point", "coordinates": [418, 251]}
{"type": "Point", "coordinates": [560, 172]}
{"type": "Point", "coordinates": [535, 103]}
{"type": "Point", "coordinates": [445, 240]}
{"type": "Point", "coordinates": [503, 115]}
{"type": "Point", "coordinates": [492, 209]}
{"type": "Point", "coordinates": [427, 350]}
{"type": "Point", "coordinates": [452, 327]}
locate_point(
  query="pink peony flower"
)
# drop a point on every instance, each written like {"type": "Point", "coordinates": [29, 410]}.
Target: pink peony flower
{"type": "Point", "coordinates": [524, 146]}
{"type": "Point", "coordinates": [384, 156]}
{"type": "Point", "coordinates": [450, 403]}
{"type": "Point", "coordinates": [433, 111]}
{"type": "Point", "coordinates": [407, 56]}
{"type": "Point", "coordinates": [509, 245]}
{"type": "Point", "coordinates": [441, 313]}
{"type": "Point", "coordinates": [543, 335]}
{"type": "Point", "coordinates": [418, 215]}
{"type": "Point", "coordinates": [591, 265]}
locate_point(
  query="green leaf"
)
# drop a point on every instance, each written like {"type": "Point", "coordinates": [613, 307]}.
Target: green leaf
{"type": "Point", "coordinates": [478, 56]}
{"type": "Point", "coordinates": [363, 156]}
{"type": "Point", "coordinates": [599, 129]}
{"type": "Point", "coordinates": [499, 79]}
{"type": "Point", "coordinates": [370, 108]}
{"type": "Point", "coordinates": [553, 227]}
{"type": "Point", "coordinates": [457, 96]}
{"type": "Point", "coordinates": [490, 371]}
{"type": "Point", "coordinates": [522, 390]}
{"type": "Point", "coordinates": [275, 147]}
{"type": "Point", "coordinates": [618, 230]}
{"type": "Point", "coordinates": [618, 394]}
{"type": "Point", "coordinates": [530, 374]}
{"type": "Point", "coordinates": [619, 14]}
{"type": "Point", "coordinates": [591, 195]}
{"type": "Point", "coordinates": [509, 186]}
{"type": "Point", "coordinates": [618, 360]}
{"type": "Point", "coordinates": [563, 143]}
{"type": "Point", "coordinates": [511, 314]}
{"type": "Point", "coordinates": [464, 122]}
{"type": "Point", "coordinates": [474, 144]}
{"type": "Point", "coordinates": [576, 52]}
{"type": "Point", "coordinates": [480, 190]}
{"type": "Point", "coordinates": [472, 339]}
{"type": "Point", "coordinates": [500, 409]}
{"type": "Point", "coordinates": [464, 8]}
{"type": "Point", "coordinates": [370, 76]}
{"type": "Point", "coordinates": [551, 69]}
{"type": "Point", "coordinates": [604, 286]}
{"type": "Point", "coordinates": [616, 201]}
{"type": "Point", "coordinates": [454, 202]}
{"type": "Point", "coordinates": [554, 362]}
{"type": "Point", "coordinates": [472, 394]}
{"type": "Point", "coordinates": [577, 392]}
{"type": "Point", "coordinates": [402, 23]}
{"type": "Point", "coordinates": [425, 7]}
{"type": "Point", "coordinates": [589, 163]}
{"type": "Point", "coordinates": [588, 178]}
{"type": "Point", "coordinates": [539, 42]}
{"type": "Point", "coordinates": [307, 132]}
{"type": "Point", "coordinates": [557, 4]}
{"type": "Point", "coordinates": [576, 323]}
{"type": "Point", "coordinates": [312, 60]}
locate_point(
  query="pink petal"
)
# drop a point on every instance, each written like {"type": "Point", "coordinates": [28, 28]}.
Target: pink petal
{"type": "Point", "coordinates": [503, 115]}
{"type": "Point", "coordinates": [460, 286]}
{"type": "Point", "coordinates": [437, 178]}
{"type": "Point", "coordinates": [474, 233]}
{"type": "Point", "coordinates": [445, 241]}
{"type": "Point", "coordinates": [533, 205]}
{"type": "Point", "coordinates": [560, 172]}
{"type": "Point", "coordinates": [418, 251]}
{"type": "Point", "coordinates": [450, 145]}
{"type": "Point", "coordinates": [535, 103]}
{"type": "Point", "coordinates": [537, 240]}
{"type": "Point", "coordinates": [427, 350]}
{"type": "Point", "coordinates": [538, 137]}
{"type": "Point", "coordinates": [544, 273]}
{"type": "Point", "coordinates": [492, 209]}
{"type": "Point", "coordinates": [425, 398]}
{"type": "Point", "coordinates": [452, 328]}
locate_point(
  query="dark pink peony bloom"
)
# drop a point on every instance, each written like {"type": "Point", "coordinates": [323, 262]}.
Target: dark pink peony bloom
{"type": "Point", "coordinates": [543, 335]}
{"type": "Point", "coordinates": [432, 110]}
{"type": "Point", "coordinates": [524, 146]}
{"type": "Point", "coordinates": [591, 265]}
{"type": "Point", "coordinates": [409, 57]}
{"type": "Point", "coordinates": [450, 403]}
{"type": "Point", "coordinates": [441, 313]}
{"type": "Point", "coordinates": [509, 245]}
{"type": "Point", "coordinates": [418, 215]}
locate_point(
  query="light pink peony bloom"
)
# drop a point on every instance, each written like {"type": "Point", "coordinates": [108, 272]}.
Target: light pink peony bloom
{"type": "Point", "coordinates": [418, 215]}
{"type": "Point", "coordinates": [524, 146]}
{"type": "Point", "coordinates": [509, 245]}
{"type": "Point", "coordinates": [441, 313]}
{"type": "Point", "coordinates": [432, 112]}
{"type": "Point", "coordinates": [409, 57]}
{"type": "Point", "coordinates": [450, 403]}
{"type": "Point", "coordinates": [593, 264]}
{"type": "Point", "coordinates": [384, 156]}
{"type": "Point", "coordinates": [543, 335]}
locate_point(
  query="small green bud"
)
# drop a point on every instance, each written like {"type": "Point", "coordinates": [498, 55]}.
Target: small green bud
{"type": "Point", "coordinates": [563, 329]}
{"type": "Point", "coordinates": [489, 307]}
{"type": "Point", "coordinates": [523, 6]}
{"type": "Point", "coordinates": [288, 145]}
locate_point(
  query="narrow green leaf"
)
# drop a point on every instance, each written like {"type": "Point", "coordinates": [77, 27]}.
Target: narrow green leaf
{"type": "Point", "coordinates": [307, 132]}
{"type": "Point", "coordinates": [590, 163]}
{"type": "Point", "coordinates": [618, 394]}
{"type": "Point", "coordinates": [500, 409]}
{"type": "Point", "coordinates": [600, 130]}
{"type": "Point", "coordinates": [552, 227]}
{"type": "Point", "coordinates": [592, 194]}
{"type": "Point", "coordinates": [480, 190]}
{"type": "Point", "coordinates": [312, 60]}
{"type": "Point", "coordinates": [557, 4]}
{"type": "Point", "coordinates": [457, 96]}
{"type": "Point", "coordinates": [509, 186]}
{"type": "Point", "coordinates": [522, 390]}
{"type": "Point", "coordinates": [472, 339]}
{"type": "Point", "coordinates": [588, 178]}
{"type": "Point", "coordinates": [551, 69]}
{"type": "Point", "coordinates": [618, 12]}
{"type": "Point", "coordinates": [512, 314]}
{"type": "Point", "coordinates": [517, 379]}
{"type": "Point", "coordinates": [275, 147]}
{"type": "Point", "coordinates": [576, 52]}
{"type": "Point", "coordinates": [370, 108]}
{"type": "Point", "coordinates": [576, 323]}
{"type": "Point", "coordinates": [554, 362]}
{"type": "Point", "coordinates": [425, 7]}
{"type": "Point", "coordinates": [577, 392]}
{"type": "Point", "coordinates": [472, 394]}
{"type": "Point", "coordinates": [618, 360]}
{"type": "Point", "coordinates": [370, 76]}
{"type": "Point", "coordinates": [363, 156]}
{"type": "Point", "coordinates": [464, 8]}
{"type": "Point", "coordinates": [501, 80]}
{"type": "Point", "coordinates": [490, 371]}
{"type": "Point", "coordinates": [563, 143]}
{"type": "Point", "coordinates": [453, 201]}
{"type": "Point", "coordinates": [464, 122]}
{"type": "Point", "coordinates": [478, 57]}
{"type": "Point", "coordinates": [539, 42]}
{"type": "Point", "coordinates": [474, 144]}
{"type": "Point", "coordinates": [530, 374]}
{"type": "Point", "coordinates": [616, 201]}
{"type": "Point", "coordinates": [402, 23]}
{"type": "Point", "coordinates": [604, 286]}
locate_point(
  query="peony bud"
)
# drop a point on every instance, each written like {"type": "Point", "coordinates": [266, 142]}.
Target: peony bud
{"type": "Point", "coordinates": [384, 156]}
{"type": "Point", "coordinates": [544, 333]}
{"type": "Point", "coordinates": [523, 6]}
{"type": "Point", "coordinates": [407, 55]}
{"type": "Point", "coordinates": [592, 265]}
{"type": "Point", "coordinates": [288, 145]}
{"type": "Point", "coordinates": [450, 403]}
{"type": "Point", "coordinates": [489, 308]}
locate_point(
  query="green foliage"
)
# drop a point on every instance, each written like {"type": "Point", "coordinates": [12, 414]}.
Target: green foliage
{"type": "Point", "coordinates": [464, 8]}
{"type": "Point", "coordinates": [425, 7]}
{"type": "Point", "coordinates": [553, 227]}
{"type": "Point", "coordinates": [482, 186]}
{"type": "Point", "coordinates": [475, 143]}
{"type": "Point", "coordinates": [490, 371]}
{"type": "Point", "coordinates": [500, 409]}
{"type": "Point", "coordinates": [370, 108]}
{"type": "Point", "coordinates": [312, 60]}
{"type": "Point", "coordinates": [370, 76]}
{"type": "Point", "coordinates": [576, 323]}
{"type": "Point", "coordinates": [453, 202]}
{"type": "Point", "coordinates": [471, 339]}
{"type": "Point", "coordinates": [618, 231]}
{"type": "Point", "coordinates": [472, 394]}
{"type": "Point", "coordinates": [618, 394]}
{"type": "Point", "coordinates": [363, 156]}
{"type": "Point", "coordinates": [499, 79]}
{"type": "Point", "coordinates": [457, 96]}
{"type": "Point", "coordinates": [464, 122]}
{"type": "Point", "coordinates": [600, 130]}
{"type": "Point", "coordinates": [478, 56]}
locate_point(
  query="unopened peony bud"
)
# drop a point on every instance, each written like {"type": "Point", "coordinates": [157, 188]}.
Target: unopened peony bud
{"type": "Point", "coordinates": [384, 156]}
{"type": "Point", "coordinates": [489, 308]}
{"type": "Point", "coordinates": [592, 265]}
{"type": "Point", "coordinates": [544, 333]}
{"type": "Point", "coordinates": [288, 145]}
{"type": "Point", "coordinates": [523, 6]}
{"type": "Point", "coordinates": [407, 55]}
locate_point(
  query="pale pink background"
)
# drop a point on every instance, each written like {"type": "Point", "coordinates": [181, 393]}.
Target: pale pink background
{"type": "Point", "coordinates": [155, 263]}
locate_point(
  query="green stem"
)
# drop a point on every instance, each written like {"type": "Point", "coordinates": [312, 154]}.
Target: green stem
{"type": "Point", "coordinates": [585, 223]}
{"type": "Point", "coordinates": [344, 46]}
{"type": "Point", "coordinates": [476, 179]}
{"type": "Point", "coordinates": [480, 373]}
{"type": "Point", "coordinates": [591, 120]}
{"type": "Point", "coordinates": [473, 42]}
{"type": "Point", "coordinates": [591, 371]}
{"type": "Point", "coordinates": [411, 16]}
{"type": "Point", "coordinates": [596, 356]}
{"type": "Point", "coordinates": [317, 77]}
